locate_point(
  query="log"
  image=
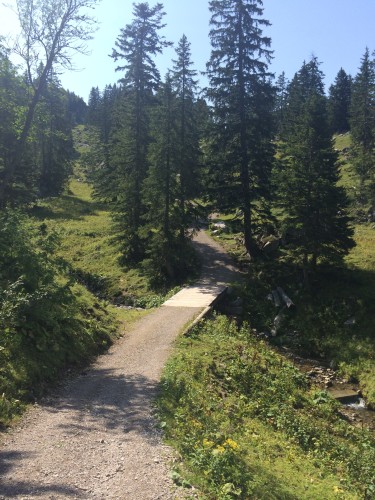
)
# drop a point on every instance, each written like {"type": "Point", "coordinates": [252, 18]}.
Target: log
{"type": "Point", "coordinates": [288, 302]}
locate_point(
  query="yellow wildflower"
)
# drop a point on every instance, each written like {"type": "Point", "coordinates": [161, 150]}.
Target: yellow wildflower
{"type": "Point", "coordinates": [232, 444]}
{"type": "Point", "coordinates": [196, 423]}
{"type": "Point", "coordinates": [220, 449]}
{"type": "Point", "coordinates": [207, 443]}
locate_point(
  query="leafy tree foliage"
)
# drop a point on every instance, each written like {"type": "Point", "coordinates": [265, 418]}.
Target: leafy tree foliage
{"type": "Point", "coordinates": [36, 303]}
{"type": "Point", "coordinates": [50, 31]}
{"type": "Point", "coordinates": [13, 99]}
{"type": "Point", "coordinates": [362, 122]}
{"type": "Point", "coordinates": [339, 102]}
{"type": "Point", "coordinates": [242, 100]}
{"type": "Point", "coordinates": [313, 203]}
{"type": "Point", "coordinates": [69, 28]}
{"type": "Point", "coordinates": [47, 165]}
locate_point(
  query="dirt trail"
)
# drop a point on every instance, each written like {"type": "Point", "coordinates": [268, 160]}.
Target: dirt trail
{"type": "Point", "coordinates": [97, 437]}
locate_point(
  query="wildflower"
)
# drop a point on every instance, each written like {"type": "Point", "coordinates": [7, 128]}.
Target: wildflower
{"type": "Point", "coordinates": [219, 449]}
{"type": "Point", "coordinates": [196, 423]}
{"type": "Point", "coordinates": [232, 444]}
{"type": "Point", "coordinates": [207, 443]}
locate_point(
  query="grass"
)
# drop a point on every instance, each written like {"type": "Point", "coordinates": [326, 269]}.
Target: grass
{"type": "Point", "coordinates": [342, 141]}
{"type": "Point", "coordinates": [248, 425]}
{"type": "Point", "coordinates": [87, 244]}
{"type": "Point", "coordinates": [37, 348]}
{"type": "Point", "coordinates": [316, 326]}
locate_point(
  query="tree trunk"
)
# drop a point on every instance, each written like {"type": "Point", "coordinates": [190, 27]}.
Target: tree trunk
{"type": "Point", "coordinates": [250, 244]}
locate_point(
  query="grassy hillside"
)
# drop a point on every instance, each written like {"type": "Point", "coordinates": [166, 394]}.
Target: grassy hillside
{"type": "Point", "coordinates": [248, 426]}
{"type": "Point", "coordinates": [246, 422]}
{"type": "Point", "coordinates": [87, 243]}
{"type": "Point", "coordinates": [317, 327]}
{"type": "Point", "coordinates": [68, 318]}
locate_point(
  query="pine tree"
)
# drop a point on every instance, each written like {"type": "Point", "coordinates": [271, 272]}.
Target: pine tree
{"type": "Point", "coordinates": [94, 107]}
{"type": "Point", "coordinates": [77, 109]}
{"type": "Point", "coordinates": [281, 99]}
{"type": "Point", "coordinates": [16, 181]}
{"type": "Point", "coordinates": [54, 142]}
{"type": "Point", "coordinates": [362, 124]}
{"type": "Point", "coordinates": [136, 46]}
{"type": "Point", "coordinates": [185, 87]}
{"type": "Point", "coordinates": [314, 205]}
{"type": "Point", "coordinates": [339, 103]}
{"type": "Point", "coordinates": [160, 189]}
{"type": "Point", "coordinates": [242, 102]}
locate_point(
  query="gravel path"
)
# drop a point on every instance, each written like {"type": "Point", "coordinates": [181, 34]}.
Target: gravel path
{"type": "Point", "coordinates": [96, 438]}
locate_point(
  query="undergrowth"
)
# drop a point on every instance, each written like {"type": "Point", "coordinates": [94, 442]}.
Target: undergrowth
{"type": "Point", "coordinates": [47, 321]}
{"type": "Point", "coordinates": [248, 426]}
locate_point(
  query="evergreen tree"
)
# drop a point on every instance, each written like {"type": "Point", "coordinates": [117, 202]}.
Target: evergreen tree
{"type": "Point", "coordinates": [281, 100]}
{"type": "Point", "coordinates": [242, 100]}
{"type": "Point", "coordinates": [136, 46]}
{"type": "Point", "coordinates": [15, 180]}
{"type": "Point", "coordinates": [362, 124]}
{"type": "Point", "coordinates": [185, 87]}
{"type": "Point", "coordinates": [77, 109]}
{"type": "Point", "coordinates": [314, 205]}
{"type": "Point", "coordinates": [54, 143]}
{"type": "Point", "coordinates": [160, 189]}
{"type": "Point", "coordinates": [94, 107]}
{"type": "Point", "coordinates": [339, 103]}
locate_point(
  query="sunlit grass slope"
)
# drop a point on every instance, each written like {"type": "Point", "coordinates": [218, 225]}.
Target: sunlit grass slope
{"type": "Point", "coordinates": [88, 244]}
{"type": "Point", "coordinates": [247, 426]}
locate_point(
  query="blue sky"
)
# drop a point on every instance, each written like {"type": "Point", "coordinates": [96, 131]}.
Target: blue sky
{"type": "Point", "coordinates": [336, 31]}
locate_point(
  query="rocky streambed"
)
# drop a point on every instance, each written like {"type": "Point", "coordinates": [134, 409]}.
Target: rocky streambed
{"type": "Point", "coordinates": [353, 406]}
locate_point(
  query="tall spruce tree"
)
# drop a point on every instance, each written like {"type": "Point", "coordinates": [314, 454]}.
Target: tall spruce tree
{"type": "Point", "coordinates": [314, 204]}
{"type": "Point", "coordinates": [281, 100]}
{"type": "Point", "coordinates": [137, 45]}
{"type": "Point", "coordinates": [94, 107]}
{"type": "Point", "coordinates": [242, 100]}
{"type": "Point", "coordinates": [362, 123]}
{"type": "Point", "coordinates": [160, 189]}
{"type": "Point", "coordinates": [339, 102]}
{"type": "Point", "coordinates": [185, 87]}
{"type": "Point", "coordinates": [54, 145]}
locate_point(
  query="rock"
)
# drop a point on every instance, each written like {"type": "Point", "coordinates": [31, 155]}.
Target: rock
{"type": "Point", "coordinates": [277, 322]}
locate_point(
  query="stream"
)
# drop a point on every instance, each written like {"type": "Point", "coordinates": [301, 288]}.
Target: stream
{"type": "Point", "coordinates": [353, 407]}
